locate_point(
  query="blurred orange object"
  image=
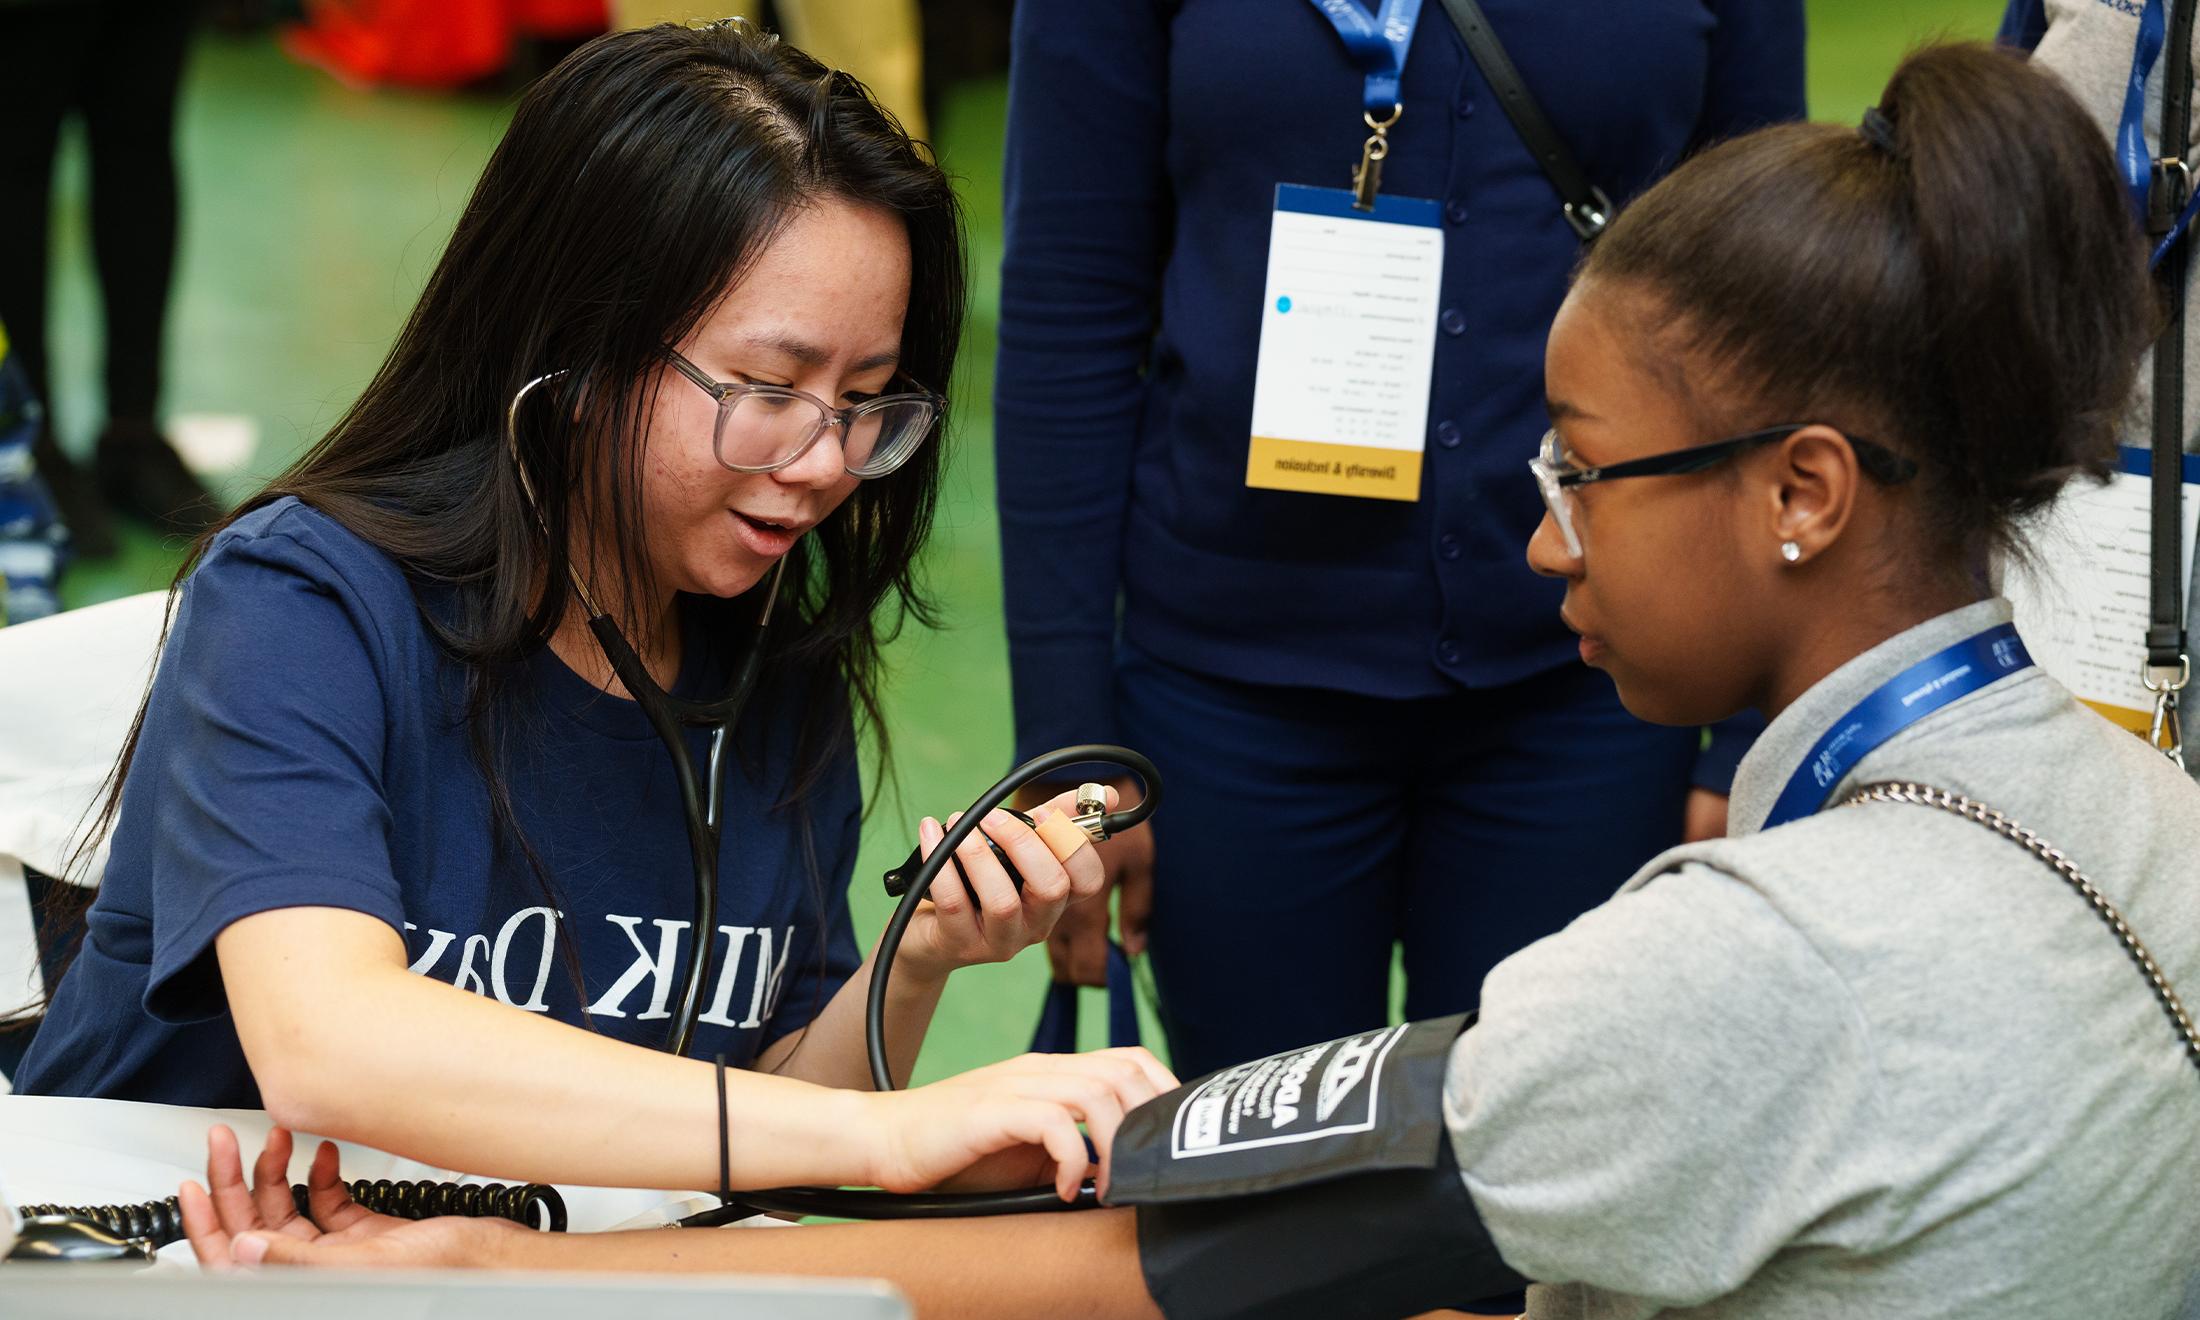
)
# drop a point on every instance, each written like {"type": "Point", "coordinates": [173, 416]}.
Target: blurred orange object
{"type": "Point", "coordinates": [430, 43]}
{"type": "Point", "coordinates": [560, 19]}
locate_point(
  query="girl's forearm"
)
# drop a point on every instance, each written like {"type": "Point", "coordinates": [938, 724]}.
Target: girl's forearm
{"type": "Point", "coordinates": [451, 1079]}
{"type": "Point", "coordinates": [831, 1050]}
{"type": "Point", "coordinates": [1017, 1266]}
{"type": "Point", "coordinates": [345, 1042]}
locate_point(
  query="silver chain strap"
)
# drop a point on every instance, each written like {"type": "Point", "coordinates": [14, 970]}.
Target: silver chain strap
{"type": "Point", "coordinates": [1955, 803]}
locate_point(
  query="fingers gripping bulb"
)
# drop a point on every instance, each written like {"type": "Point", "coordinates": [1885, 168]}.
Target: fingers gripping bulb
{"type": "Point", "coordinates": [1066, 834]}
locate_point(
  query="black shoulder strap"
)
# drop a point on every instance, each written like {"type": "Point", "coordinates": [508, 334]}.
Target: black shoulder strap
{"type": "Point", "coordinates": [2166, 655]}
{"type": "Point", "coordinates": [1587, 209]}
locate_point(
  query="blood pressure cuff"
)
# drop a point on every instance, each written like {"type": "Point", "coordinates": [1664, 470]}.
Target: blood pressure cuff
{"type": "Point", "coordinates": [1315, 1183]}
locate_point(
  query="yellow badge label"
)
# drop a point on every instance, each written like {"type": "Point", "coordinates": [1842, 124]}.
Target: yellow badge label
{"type": "Point", "coordinates": [1326, 469]}
{"type": "Point", "coordinates": [2138, 721]}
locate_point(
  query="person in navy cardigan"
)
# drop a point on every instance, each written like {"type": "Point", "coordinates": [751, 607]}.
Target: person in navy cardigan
{"type": "Point", "coordinates": [1374, 728]}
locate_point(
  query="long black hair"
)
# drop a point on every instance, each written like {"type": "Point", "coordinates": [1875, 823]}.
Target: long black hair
{"type": "Point", "coordinates": [637, 181]}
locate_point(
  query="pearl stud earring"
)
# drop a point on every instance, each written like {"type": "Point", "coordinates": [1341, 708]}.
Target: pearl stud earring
{"type": "Point", "coordinates": [1791, 552]}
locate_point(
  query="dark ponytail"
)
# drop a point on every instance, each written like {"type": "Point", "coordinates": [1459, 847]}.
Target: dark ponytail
{"type": "Point", "coordinates": [1962, 281]}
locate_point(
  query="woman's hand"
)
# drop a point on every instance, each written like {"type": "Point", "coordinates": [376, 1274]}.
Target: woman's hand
{"type": "Point", "coordinates": [1021, 1116]}
{"type": "Point", "coordinates": [1078, 949]}
{"type": "Point", "coordinates": [989, 921]}
{"type": "Point", "coordinates": [230, 1225]}
{"type": "Point", "coordinates": [1704, 817]}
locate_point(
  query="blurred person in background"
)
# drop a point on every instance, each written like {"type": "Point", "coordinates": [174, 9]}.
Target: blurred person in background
{"type": "Point", "coordinates": [439, 44]}
{"type": "Point", "coordinates": [34, 548]}
{"type": "Point", "coordinates": [879, 41]}
{"type": "Point", "coordinates": [1369, 707]}
{"type": "Point", "coordinates": [117, 65]}
{"type": "Point", "coordinates": [33, 543]}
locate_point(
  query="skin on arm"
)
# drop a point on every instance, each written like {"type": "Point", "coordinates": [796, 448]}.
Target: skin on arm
{"type": "Point", "coordinates": [488, 1087]}
{"type": "Point", "coordinates": [499, 1091]}
{"type": "Point", "coordinates": [830, 1050]}
{"type": "Point", "coordinates": [1014, 1266]}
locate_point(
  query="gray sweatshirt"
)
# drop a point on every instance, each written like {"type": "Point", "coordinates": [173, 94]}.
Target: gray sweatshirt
{"type": "Point", "coordinates": [1876, 1062]}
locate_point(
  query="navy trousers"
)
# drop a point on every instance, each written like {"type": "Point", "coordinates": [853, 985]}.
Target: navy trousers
{"type": "Point", "coordinates": [1307, 833]}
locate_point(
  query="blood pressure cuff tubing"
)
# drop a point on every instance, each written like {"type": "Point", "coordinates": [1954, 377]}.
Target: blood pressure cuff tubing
{"type": "Point", "coordinates": [1316, 1183]}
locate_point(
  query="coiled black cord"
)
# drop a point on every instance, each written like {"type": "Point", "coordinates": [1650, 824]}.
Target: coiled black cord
{"type": "Point", "coordinates": [156, 1223]}
{"type": "Point", "coordinates": [846, 1203]}
{"type": "Point", "coordinates": [159, 1223]}
{"type": "Point", "coordinates": [530, 1205]}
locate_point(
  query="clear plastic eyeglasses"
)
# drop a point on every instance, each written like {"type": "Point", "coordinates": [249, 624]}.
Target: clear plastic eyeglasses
{"type": "Point", "coordinates": [1557, 477]}
{"type": "Point", "coordinates": [763, 428]}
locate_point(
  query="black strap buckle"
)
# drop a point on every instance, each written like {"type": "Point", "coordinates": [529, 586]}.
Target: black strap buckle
{"type": "Point", "coordinates": [1590, 218]}
{"type": "Point", "coordinates": [2169, 187]}
{"type": "Point", "coordinates": [2165, 732]}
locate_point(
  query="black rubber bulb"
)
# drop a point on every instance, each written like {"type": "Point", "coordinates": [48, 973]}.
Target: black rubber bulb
{"type": "Point", "coordinates": [897, 880]}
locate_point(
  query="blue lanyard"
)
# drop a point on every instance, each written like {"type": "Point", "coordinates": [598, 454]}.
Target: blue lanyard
{"type": "Point", "coordinates": [1897, 704]}
{"type": "Point", "coordinates": [1377, 43]}
{"type": "Point", "coordinates": [2132, 154]}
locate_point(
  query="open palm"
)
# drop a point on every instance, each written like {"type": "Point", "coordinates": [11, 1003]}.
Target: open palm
{"type": "Point", "coordinates": [231, 1224]}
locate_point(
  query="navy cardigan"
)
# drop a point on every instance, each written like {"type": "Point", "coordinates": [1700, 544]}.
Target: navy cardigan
{"type": "Point", "coordinates": [1145, 141]}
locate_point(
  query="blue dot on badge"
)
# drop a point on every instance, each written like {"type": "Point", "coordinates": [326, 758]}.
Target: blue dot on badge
{"type": "Point", "coordinates": [1283, 304]}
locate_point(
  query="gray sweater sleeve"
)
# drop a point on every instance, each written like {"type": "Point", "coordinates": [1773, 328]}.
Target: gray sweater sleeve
{"type": "Point", "coordinates": [1663, 1094]}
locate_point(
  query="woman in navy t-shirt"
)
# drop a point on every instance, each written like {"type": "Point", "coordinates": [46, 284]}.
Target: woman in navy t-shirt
{"type": "Point", "coordinates": [397, 857]}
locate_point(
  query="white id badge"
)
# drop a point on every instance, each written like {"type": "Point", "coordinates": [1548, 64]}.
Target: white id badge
{"type": "Point", "coordinates": [1347, 345]}
{"type": "Point", "coordinates": [2084, 610]}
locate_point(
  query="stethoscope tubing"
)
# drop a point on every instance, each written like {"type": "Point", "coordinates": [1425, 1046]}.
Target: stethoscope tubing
{"type": "Point", "coordinates": [874, 1011]}
{"type": "Point", "coordinates": [700, 796]}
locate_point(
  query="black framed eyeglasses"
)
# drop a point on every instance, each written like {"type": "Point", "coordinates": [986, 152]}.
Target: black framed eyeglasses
{"type": "Point", "coordinates": [763, 428]}
{"type": "Point", "coordinates": [1558, 478]}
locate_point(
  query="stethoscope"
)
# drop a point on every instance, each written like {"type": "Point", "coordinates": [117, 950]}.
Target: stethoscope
{"type": "Point", "coordinates": [699, 802]}
{"type": "Point", "coordinates": [701, 795]}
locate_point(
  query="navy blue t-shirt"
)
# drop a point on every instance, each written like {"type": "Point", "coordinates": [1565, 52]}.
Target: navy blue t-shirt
{"type": "Point", "coordinates": [306, 746]}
